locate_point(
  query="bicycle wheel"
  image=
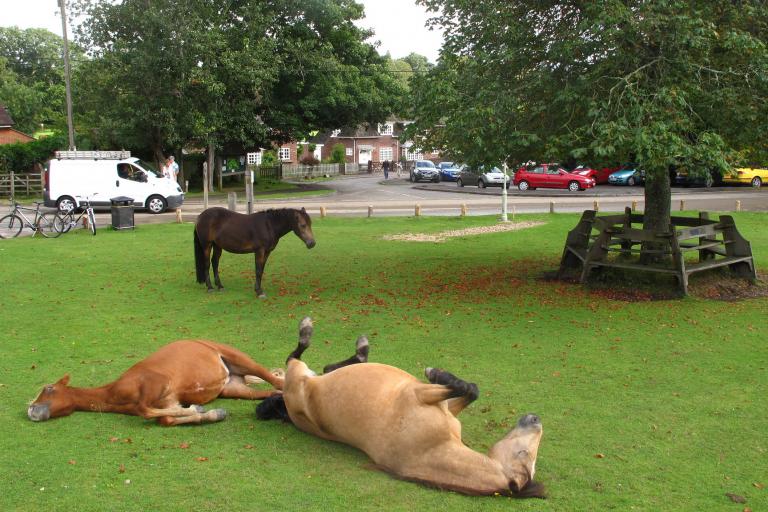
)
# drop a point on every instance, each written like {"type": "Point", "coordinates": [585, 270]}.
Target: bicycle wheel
{"type": "Point", "coordinates": [92, 222]}
{"type": "Point", "coordinates": [49, 225]}
{"type": "Point", "coordinates": [10, 226]}
{"type": "Point", "coordinates": [67, 220]}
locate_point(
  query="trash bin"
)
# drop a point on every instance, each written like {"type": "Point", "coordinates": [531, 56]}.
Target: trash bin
{"type": "Point", "coordinates": [122, 212]}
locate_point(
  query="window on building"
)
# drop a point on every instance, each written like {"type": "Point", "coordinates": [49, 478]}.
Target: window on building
{"type": "Point", "coordinates": [414, 154]}
{"type": "Point", "coordinates": [385, 154]}
{"type": "Point", "coordinates": [285, 154]}
{"type": "Point", "coordinates": [335, 133]}
{"type": "Point", "coordinates": [254, 158]}
{"type": "Point", "coordinates": [385, 129]}
{"type": "Point", "coordinates": [349, 152]}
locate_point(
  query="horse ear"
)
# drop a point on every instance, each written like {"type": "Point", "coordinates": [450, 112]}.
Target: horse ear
{"type": "Point", "coordinates": [304, 210]}
{"type": "Point", "coordinates": [64, 380]}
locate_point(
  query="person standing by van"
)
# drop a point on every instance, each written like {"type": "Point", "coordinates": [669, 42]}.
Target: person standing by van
{"type": "Point", "coordinates": [173, 169]}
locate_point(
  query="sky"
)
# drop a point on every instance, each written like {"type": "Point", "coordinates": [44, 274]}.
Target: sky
{"type": "Point", "coordinates": [399, 24]}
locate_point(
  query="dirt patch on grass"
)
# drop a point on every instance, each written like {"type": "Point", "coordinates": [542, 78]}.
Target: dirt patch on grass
{"type": "Point", "coordinates": [444, 235]}
{"type": "Point", "coordinates": [630, 286]}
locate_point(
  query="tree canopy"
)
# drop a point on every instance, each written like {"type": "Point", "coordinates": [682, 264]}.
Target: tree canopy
{"type": "Point", "coordinates": [667, 83]}
{"type": "Point", "coordinates": [32, 77]}
{"type": "Point", "coordinates": [166, 73]}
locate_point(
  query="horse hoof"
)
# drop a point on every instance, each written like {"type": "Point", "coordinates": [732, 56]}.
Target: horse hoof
{"type": "Point", "coordinates": [210, 290]}
{"type": "Point", "coordinates": [262, 295]}
{"type": "Point", "coordinates": [217, 414]}
{"type": "Point", "coordinates": [198, 408]}
{"type": "Point", "coordinates": [221, 288]}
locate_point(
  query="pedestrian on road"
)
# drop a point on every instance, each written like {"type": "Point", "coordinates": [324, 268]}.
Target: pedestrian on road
{"type": "Point", "coordinates": [173, 169]}
{"type": "Point", "coordinates": [398, 168]}
{"type": "Point", "coordinates": [385, 166]}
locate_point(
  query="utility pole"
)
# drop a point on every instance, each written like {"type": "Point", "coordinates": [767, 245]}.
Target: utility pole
{"type": "Point", "coordinates": [504, 217]}
{"type": "Point", "coordinates": [67, 76]}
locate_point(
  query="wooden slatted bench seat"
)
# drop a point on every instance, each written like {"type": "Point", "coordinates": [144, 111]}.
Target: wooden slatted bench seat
{"type": "Point", "coordinates": [718, 244]}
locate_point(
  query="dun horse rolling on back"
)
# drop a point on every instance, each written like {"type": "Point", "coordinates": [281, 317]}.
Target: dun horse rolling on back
{"type": "Point", "coordinates": [220, 229]}
{"type": "Point", "coordinates": [169, 385]}
{"type": "Point", "coordinates": [409, 428]}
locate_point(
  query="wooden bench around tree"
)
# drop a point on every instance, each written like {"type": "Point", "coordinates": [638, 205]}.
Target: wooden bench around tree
{"type": "Point", "coordinates": [616, 241]}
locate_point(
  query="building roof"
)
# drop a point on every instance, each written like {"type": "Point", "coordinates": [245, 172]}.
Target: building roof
{"type": "Point", "coordinates": [5, 117]}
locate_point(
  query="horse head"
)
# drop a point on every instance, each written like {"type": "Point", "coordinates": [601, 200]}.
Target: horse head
{"type": "Point", "coordinates": [302, 226]}
{"type": "Point", "coordinates": [517, 453]}
{"type": "Point", "coordinates": [53, 401]}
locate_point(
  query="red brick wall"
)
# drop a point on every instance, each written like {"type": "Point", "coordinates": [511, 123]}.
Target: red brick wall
{"type": "Point", "coordinates": [11, 136]}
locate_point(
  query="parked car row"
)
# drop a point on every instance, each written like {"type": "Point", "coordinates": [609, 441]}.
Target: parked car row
{"type": "Point", "coordinates": [582, 177]}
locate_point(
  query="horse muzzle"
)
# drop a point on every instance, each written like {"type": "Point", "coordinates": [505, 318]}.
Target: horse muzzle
{"type": "Point", "coordinates": [310, 243]}
{"type": "Point", "coordinates": [39, 412]}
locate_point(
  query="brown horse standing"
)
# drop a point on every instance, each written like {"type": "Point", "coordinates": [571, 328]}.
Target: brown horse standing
{"type": "Point", "coordinates": [169, 385]}
{"type": "Point", "coordinates": [409, 428]}
{"type": "Point", "coordinates": [220, 229]}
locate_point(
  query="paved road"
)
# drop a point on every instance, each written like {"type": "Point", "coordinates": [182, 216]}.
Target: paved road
{"type": "Point", "coordinates": [352, 195]}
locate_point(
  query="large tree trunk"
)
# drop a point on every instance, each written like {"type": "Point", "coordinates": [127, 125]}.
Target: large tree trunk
{"type": "Point", "coordinates": [658, 204]}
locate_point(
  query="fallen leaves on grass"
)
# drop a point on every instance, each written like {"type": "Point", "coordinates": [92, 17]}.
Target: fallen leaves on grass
{"type": "Point", "coordinates": [736, 498]}
{"type": "Point", "coordinates": [201, 459]}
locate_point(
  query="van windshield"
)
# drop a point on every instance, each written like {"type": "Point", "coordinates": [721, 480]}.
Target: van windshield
{"type": "Point", "coordinates": [150, 167]}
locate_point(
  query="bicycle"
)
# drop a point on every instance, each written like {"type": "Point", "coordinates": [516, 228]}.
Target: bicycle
{"type": "Point", "coordinates": [47, 224]}
{"type": "Point", "coordinates": [69, 220]}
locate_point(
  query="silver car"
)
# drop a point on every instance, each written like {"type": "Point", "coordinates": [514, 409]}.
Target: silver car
{"type": "Point", "coordinates": [493, 177]}
{"type": "Point", "coordinates": [424, 170]}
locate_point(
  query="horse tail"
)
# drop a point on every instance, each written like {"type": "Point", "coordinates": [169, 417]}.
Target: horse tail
{"type": "Point", "coordinates": [199, 259]}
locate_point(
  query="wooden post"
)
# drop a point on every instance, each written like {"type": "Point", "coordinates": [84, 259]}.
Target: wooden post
{"type": "Point", "coordinates": [551, 207]}
{"type": "Point", "coordinates": [186, 186]}
{"type": "Point", "coordinates": [179, 218]}
{"type": "Point", "coordinates": [738, 206]}
{"type": "Point", "coordinates": [13, 188]}
{"type": "Point", "coordinates": [463, 209]}
{"type": "Point", "coordinates": [634, 206]}
{"type": "Point", "coordinates": [513, 212]}
{"type": "Point", "coordinates": [596, 206]}
{"type": "Point", "coordinates": [323, 212]}
{"type": "Point", "coordinates": [232, 201]}
{"type": "Point", "coordinates": [682, 205]}
{"type": "Point", "coordinates": [370, 211]}
{"type": "Point", "coordinates": [417, 210]}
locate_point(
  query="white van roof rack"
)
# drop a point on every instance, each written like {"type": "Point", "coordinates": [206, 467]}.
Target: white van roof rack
{"type": "Point", "coordinates": [93, 155]}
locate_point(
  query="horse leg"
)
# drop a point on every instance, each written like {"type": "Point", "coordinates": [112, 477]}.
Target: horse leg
{"type": "Point", "coordinates": [247, 370]}
{"type": "Point", "coordinates": [236, 388]}
{"type": "Point", "coordinates": [207, 256]}
{"type": "Point", "coordinates": [260, 257]}
{"type": "Point", "coordinates": [458, 393]}
{"type": "Point", "coordinates": [305, 333]}
{"type": "Point", "coordinates": [361, 356]}
{"type": "Point", "coordinates": [211, 416]}
{"type": "Point", "coordinates": [215, 260]}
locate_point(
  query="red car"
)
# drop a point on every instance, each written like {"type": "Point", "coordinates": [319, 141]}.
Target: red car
{"type": "Point", "coordinates": [550, 176]}
{"type": "Point", "coordinates": [599, 175]}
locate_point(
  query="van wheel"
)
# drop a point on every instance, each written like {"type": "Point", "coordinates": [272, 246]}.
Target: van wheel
{"type": "Point", "coordinates": [66, 204]}
{"type": "Point", "coordinates": [156, 204]}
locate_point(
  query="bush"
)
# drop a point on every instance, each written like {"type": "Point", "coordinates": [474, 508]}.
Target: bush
{"type": "Point", "coordinates": [22, 156]}
{"type": "Point", "coordinates": [339, 153]}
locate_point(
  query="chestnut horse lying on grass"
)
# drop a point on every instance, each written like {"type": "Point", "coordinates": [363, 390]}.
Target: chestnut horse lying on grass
{"type": "Point", "coordinates": [170, 385]}
{"type": "Point", "coordinates": [409, 428]}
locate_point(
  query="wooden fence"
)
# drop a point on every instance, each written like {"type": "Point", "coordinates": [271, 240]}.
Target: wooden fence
{"type": "Point", "coordinates": [294, 171]}
{"type": "Point", "coordinates": [14, 184]}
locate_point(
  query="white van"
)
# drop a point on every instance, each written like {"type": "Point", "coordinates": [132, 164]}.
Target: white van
{"type": "Point", "coordinates": [72, 176]}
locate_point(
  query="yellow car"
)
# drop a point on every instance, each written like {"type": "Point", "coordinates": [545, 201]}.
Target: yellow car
{"type": "Point", "coordinates": [753, 176]}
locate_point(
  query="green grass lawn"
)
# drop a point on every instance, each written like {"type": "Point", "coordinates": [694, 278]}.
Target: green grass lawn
{"type": "Point", "coordinates": [646, 405]}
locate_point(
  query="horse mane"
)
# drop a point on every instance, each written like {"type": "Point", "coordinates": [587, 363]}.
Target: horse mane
{"type": "Point", "coordinates": [273, 408]}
